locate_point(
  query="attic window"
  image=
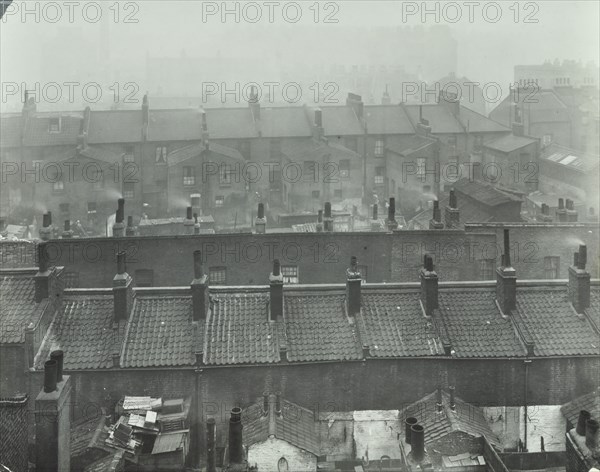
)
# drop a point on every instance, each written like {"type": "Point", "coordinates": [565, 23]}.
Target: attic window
{"type": "Point", "coordinates": [54, 125]}
{"type": "Point", "coordinates": [217, 275]}
{"type": "Point", "coordinates": [290, 274]}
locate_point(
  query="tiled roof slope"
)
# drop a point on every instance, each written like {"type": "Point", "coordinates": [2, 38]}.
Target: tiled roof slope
{"type": "Point", "coordinates": [160, 333]}
{"type": "Point", "coordinates": [37, 134]}
{"type": "Point", "coordinates": [317, 328]}
{"type": "Point", "coordinates": [115, 126]}
{"type": "Point", "coordinates": [17, 306]}
{"type": "Point", "coordinates": [482, 192]}
{"type": "Point", "coordinates": [387, 119]}
{"type": "Point", "coordinates": [466, 418]}
{"type": "Point", "coordinates": [15, 254]}
{"type": "Point", "coordinates": [509, 143]}
{"type": "Point", "coordinates": [341, 121]}
{"type": "Point", "coordinates": [589, 402]}
{"type": "Point", "coordinates": [556, 328]}
{"type": "Point", "coordinates": [83, 329]}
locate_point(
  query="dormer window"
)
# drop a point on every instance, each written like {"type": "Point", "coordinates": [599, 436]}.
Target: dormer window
{"type": "Point", "coordinates": [54, 125]}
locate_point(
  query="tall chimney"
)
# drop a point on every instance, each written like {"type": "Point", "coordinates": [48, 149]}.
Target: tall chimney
{"type": "Point", "coordinates": [200, 290]}
{"type": "Point", "coordinates": [58, 357]}
{"type": "Point", "coordinates": [46, 229]}
{"type": "Point", "coordinates": [188, 222]}
{"type": "Point", "coordinates": [130, 229]}
{"type": "Point", "coordinates": [119, 226]}
{"type": "Point", "coordinates": [417, 442]}
{"type": "Point", "coordinates": [320, 225]}
{"type": "Point", "coordinates": [123, 294]}
{"type": "Point", "coordinates": [452, 213]}
{"type": "Point", "coordinates": [561, 211]}
{"type": "Point", "coordinates": [429, 285]}
{"type": "Point", "coordinates": [506, 280]}
{"type": "Point", "coordinates": [353, 288]}
{"type": "Point", "coordinates": [328, 219]}
{"type": "Point", "coordinates": [260, 223]}
{"type": "Point", "coordinates": [591, 434]}
{"type": "Point", "coordinates": [436, 220]}
{"type": "Point", "coordinates": [211, 439]}
{"type": "Point", "coordinates": [579, 281]}
{"type": "Point", "coordinates": [53, 422]}
{"type": "Point", "coordinates": [581, 420]}
{"type": "Point", "coordinates": [276, 292]}
{"type": "Point", "coordinates": [408, 424]}
{"type": "Point", "coordinates": [391, 222]}
{"type": "Point", "coordinates": [236, 450]}
{"type": "Point", "coordinates": [67, 232]}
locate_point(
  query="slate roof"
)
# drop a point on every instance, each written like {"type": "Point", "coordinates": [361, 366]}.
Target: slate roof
{"type": "Point", "coordinates": [309, 148]}
{"type": "Point", "coordinates": [284, 121]}
{"type": "Point", "coordinates": [509, 143]}
{"type": "Point", "coordinates": [115, 126]}
{"type": "Point", "coordinates": [194, 150]}
{"type": "Point", "coordinates": [482, 192]}
{"type": "Point", "coordinates": [410, 144]}
{"type": "Point", "coordinates": [341, 121]}
{"type": "Point", "coordinates": [387, 119]}
{"type": "Point", "coordinates": [477, 123]}
{"type": "Point", "coordinates": [589, 402]}
{"type": "Point", "coordinates": [439, 116]}
{"type": "Point", "coordinates": [231, 123]}
{"type": "Point", "coordinates": [466, 418]}
{"type": "Point", "coordinates": [575, 160]}
{"type": "Point", "coordinates": [17, 306]}
{"type": "Point", "coordinates": [175, 125]}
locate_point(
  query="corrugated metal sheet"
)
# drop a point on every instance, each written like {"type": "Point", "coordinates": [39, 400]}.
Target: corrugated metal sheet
{"type": "Point", "coordinates": [168, 442]}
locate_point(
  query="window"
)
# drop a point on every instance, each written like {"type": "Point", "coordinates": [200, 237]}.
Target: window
{"type": "Point", "coordinates": [379, 144]}
{"type": "Point", "coordinates": [421, 161]}
{"type": "Point", "coordinates": [290, 274]}
{"type": "Point", "coordinates": [546, 139]}
{"type": "Point", "coordinates": [189, 176]}
{"type": "Point", "coordinates": [552, 267]}
{"type": "Point", "coordinates": [379, 175]}
{"type": "Point", "coordinates": [219, 201]}
{"type": "Point", "coordinates": [363, 272]}
{"type": "Point", "coordinates": [345, 168]}
{"type": "Point", "coordinates": [225, 175]}
{"type": "Point", "coordinates": [161, 155]}
{"type": "Point", "coordinates": [128, 190]}
{"type": "Point", "coordinates": [452, 141]}
{"type": "Point", "coordinates": [309, 171]}
{"type": "Point", "coordinates": [351, 143]}
{"type": "Point", "coordinates": [217, 275]}
{"type": "Point", "coordinates": [144, 278]}
{"type": "Point", "coordinates": [54, 125]}
{"type": "Point", "coordinates": [128, 155]}
{"type": "Point", "coordinates": [486, 269]}
{"type": "Point", "coordinates": [58, 186]}
{"type": "Point", "coordinates": [316, 194]}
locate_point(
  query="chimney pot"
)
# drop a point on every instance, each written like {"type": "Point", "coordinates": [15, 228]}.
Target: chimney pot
{"type": "Point", "coordinates": [561, 204]}
{"type": "Point", "coordinates": [276, 267]}
{"type": "Point", "coordinates": [211, 463]}
{"type": "Point", "coordinates": [275, 292]}
{"type": "Point", "coordinates": [417, 442]}
{"type": "Point", "coordinates": [261, 210]}
{"type": "Point", "coordinates": [50, 378]}
{"type": "Point", "coordinates": [58, 357]}
{"type": "Point", "coordinates": [121, 262]}
{"type": "Point", "coordinates": [591, 434]}
{"type": "Point", "coordinates": [452, 398]}
{"type": "Point", "coordinates": [188, 213]}
{"type": "Point", "coordinates": [120, 210]}
{"type": "Point", "coordinates": [200, 289]}
{"type": "Point", "coordinates": [278, 404]}
{"type": "Point", "coordinates": [408, 424]}
{"type": "Point", "coordinates": [265, 403]}
{"type": "Point", "coordinates": [353, 288]}
{"type": "Point", "coordinates": [581, 420]}
{"type": "Point", "coordinates": [67, 225]}
{"type": "Point", "coordinates": [198, 271]}
{"type": "Point", "coordinates": [375, 216]}
{"type": "Point", "coordinates": [429, 286]}
{"type": "Point", "coordinates": [236, 451]}
{"type": "Point", "coordinates": [507, 248]}
{"type": "Point", "coordinates": [452, 202]}
{"type": "Point", "coordinates": [42, 257]}
{"type": "Point", "coordinates": [582, 259]}
{"type": "Point", "coordinates": [579, 281]}
{"type": "Point", "coordinates": [47, 220]}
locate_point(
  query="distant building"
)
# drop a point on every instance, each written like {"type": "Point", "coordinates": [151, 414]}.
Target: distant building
{"type": "Point", "coordinates": [556, 74]}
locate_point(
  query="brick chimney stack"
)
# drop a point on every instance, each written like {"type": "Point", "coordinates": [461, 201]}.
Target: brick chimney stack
{"type": "Point", "coordinates": [375, 224]}
{"type": "Point", "coordinates": [211, 450]}
{"type": "Point", "coordinates": [53, 421]}
{"type": "Point", "coordinates": [452, 213]}
{"type": "Point", "coordinates": [355, 102]}
{"type": "Point", "coordinates": [353, 288]}
{"type": "Point", "coordinates": [572, 214]}
{"type": "Point", "coordinates": [260, 223]}
{"type": "Point", "coordinates": [561, 211]}
{"type": "Point", "coordinates": [436, 221]}
{"type": "Point", "coordinates": [200, 289]}
{"type": "Point", "coordinates": [579, 281]}
{"type": "Point", "coordinates": [67, 232]}
{"type": "Point", "coordinates": [196, 224]}
{"type": "Point", "coordinates": [236, 449]}
{"type": "Point", "coordinates": [328, 219]}
{"type": "Point", "coordinates": [119, 226]}
{"type": "Point", "coordinates": [506, 280]}
{"type": "Point", "coordinates": [429, 285]}
{"type": "Point", "coordinates": [276, 292]}
{"type": "Point", "coordinates": [545, 214]}
{"type": "Point", "coordinates": [188, 222]}
{"type": "Point", "coordinates": [391, 222]}
{"type": "Point", "coordinates": [123, 294]}
{"type": "Point", "coordinates": [320, 225]}
{"type": "Point", "coordinates": [46, 229]}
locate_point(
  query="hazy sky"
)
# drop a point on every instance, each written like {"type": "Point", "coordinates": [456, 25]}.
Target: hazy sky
{"type": "Point", "coordinates": [487, 50]}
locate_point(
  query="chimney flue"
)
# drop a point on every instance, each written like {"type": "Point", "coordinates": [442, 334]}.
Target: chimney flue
{"type": "Point", "coordinates": [375, 216]}
{"type": "Point", "coordinates": [276, 292]}
{"type": "Point", "coordinates": [261, 222]}
{"type": "Point", "coordinates": [278, 410]}
{"type": "Point", "coordinates": [582, 259]}
{"type": "Point", "coordinates": [236, 451]}
{"type": "Point", "coordinates": [42, 257]}
{"type": "Point", "coordinates": [507, 262]}
{"type": "Point", "coordinates": [50, 376]}
{"type": "Point", "coordinates": [353, 288]}
{"type": "Point", "coordinates": [581, 420]}
{"type": "Point", "coordinates": [328, 219]}
{"type": "Point", "coordinates": [211, 438]}
{"type": "Point", "coordinates": [198, 270]}
{"type": "Point", "coordinates": [189, 213]}
{"type": "Point", "coordinates": [58, 357]}
{"type": "Point", "coordinates": [265, 403]}
{"type": "Point", "coordinates": [452, 397]}
{"type": "Point", "coordinates": [408, 424]}
{"type": "Point", "coordinates": [417, 442]}
{"type": "Point", "coordinates": [320, 226]}
{"type": "Point", "coordinates": [429, 286]}
{"type": "Point", "coordinates": [579, 281]}
{"type": "Point", "coordinates": [47, 219]}
{"type": "Point", "coordinates": [452, 202]}
{"type": "Point", "coordinates": [121, 262]}
{"type": "Point", "coordinates": [591, 434]}
{"type": "Point", "coordinates": [200, 289]}
{"type": "Point", "coordinates": [120, 210]}
{"type": "Point", "coordinates": [392, 224]}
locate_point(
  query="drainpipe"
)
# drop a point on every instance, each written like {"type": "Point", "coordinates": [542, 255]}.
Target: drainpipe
{"type": "Point", "coordinates": [527, 363]}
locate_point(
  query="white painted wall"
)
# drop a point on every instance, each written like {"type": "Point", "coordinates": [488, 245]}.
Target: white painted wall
{"type": "Point", "coordinates": [266, 455]}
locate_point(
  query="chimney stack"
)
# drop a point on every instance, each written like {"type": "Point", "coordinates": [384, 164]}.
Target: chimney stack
{"type": "Point", "coordinates": [581, 420]}
{"type": "Point", "coordinates": [391, 222]}
{"type": "Point", "coordinates": [591, 434]}
{"type": "Point", "coordinates": [561, 211]}
{"type": "Point", "coordinates": [145, 110]}
{"type": "Point", "coordinates": [375, 224]}
{"type": "Point", "coordinates": [58, 357]}
{"type": "Point", "coordinates": [452, 397]}
{"type": "Point", "coordinates": [278, 409]}
{"type": "Point", "coordinates": [266, 403]}
{"type": "Point", "coordinates": [196, 224]}
{"type": "Point", "coordinates": [328, 219]}
{"type": "Point", "coordinates": [122, 290]}
{"type": "Point", "coordinates": [439, 404]}
{"type": "Point", "coordinates": [320, 225]}
{"type": "Point", "coordinates": [260, 223]}
{"type": "Point", "coordinates": [385, 99]}
{"type": "Point", "coordinates": [200, 290]}
{"type": "Point", "coordinates": [46, 229]}
{"type": "Point", "coordinates": [130, 229]}
{"type": "Point", "coordinates": [545, 214]}
{"type": "Point", "coordinates": [579, 281]}
{"type": "Point", "coordinates": [506, 280]}
{"type": "Point", "coordinates": [52, 420]}
{"type": "Point", "coordinates": [119, 226]}
{"type": "Point", "coordinates": [44, 275]}
{"type": "Point", "coordinates": [318, 130]}
{"type": "Point", "coordinates": [452, 213]}
{"type": "Point", "coordinates": [436, 220]}
{"type": "Point", "coordinates": [276, 292]}
{"type": "Point", "coordinates": [211, 450]}
{"type": "Point", "coordinates": [67, 232]}
{"type": "Point", "coordinates": [518, 129]}
{"type": "Point", "coordinates": [417, 442]}
{"type": "Point", "coordinates": [353, 288]}
{"type": "Point", "coordinates": [429, 285]}
{"type": "Point", "coordinates": [236, 450]}
{"type": "Point", "coordinates": [355, 102]}
{"type": "Point", "coordinates": [592, 216]}
{"type": "Point", "coordinates": [572, 214]}
{"type": "Point", "coordinates": [188, 222]}
{"type": "Point", "coordinates": [408, 424]}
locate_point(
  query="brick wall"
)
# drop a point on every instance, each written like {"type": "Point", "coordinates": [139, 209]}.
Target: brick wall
{"type": "Point", "coordinates": [14, 434]}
